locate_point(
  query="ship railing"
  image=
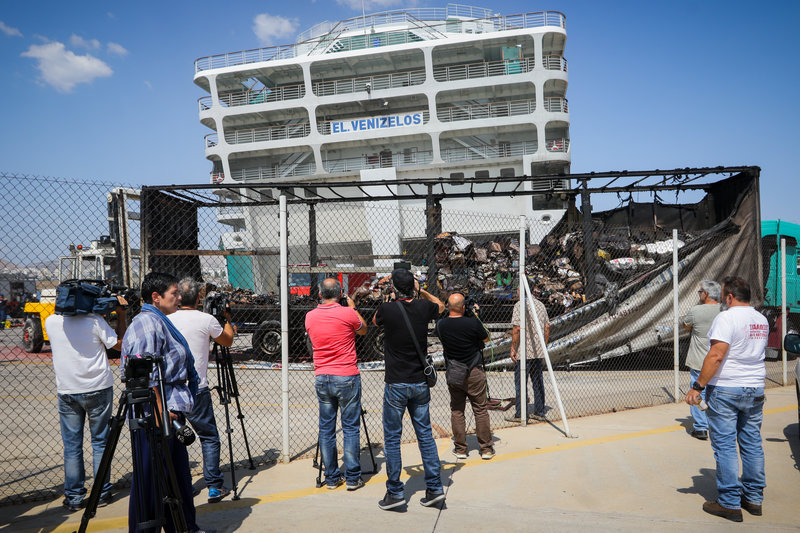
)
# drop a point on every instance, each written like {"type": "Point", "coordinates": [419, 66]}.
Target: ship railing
{"type": "Point", "coordinates": [232, 210]}
{"type": "Point", "coordinates": [554, 62]}
{"type": "Point", "coordinates": [376, 83]}
{"type": "Point", "coordinates": [309, 39]}
{"type": "Point", "coordinates": [487, 110]}
{"type": "Point", "coordinates": [211, 140]}
{"type": "Point", "coordinates": [269, 133]}
{"type": "Point", "coordinates": [260, 96]}
{"type": "Point", "coordinates": [557, 145]}
{"type": "Point", "coordinates": [485, 151]}
{"type": "Point", "coordinates": [483, 69]}
{"type": "Point", "coordinates": [273, 172]}
{"type": "Point", "coordinates": [381, 160]}
{"type": "Point", "coordinates": [556, 104]}
{"type": "Point", "coordinates": [324, 126]}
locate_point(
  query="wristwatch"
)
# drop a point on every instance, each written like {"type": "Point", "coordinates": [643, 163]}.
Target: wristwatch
{"type": "Point", "coordinates": [696, 386]}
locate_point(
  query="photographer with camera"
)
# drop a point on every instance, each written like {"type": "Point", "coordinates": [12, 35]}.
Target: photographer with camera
{"type": "Point", "coordinates": [153, 333]}
{"type": "Point", "coordinates": [198, 328]}
{"type": "Point", "coordinates": [463, 338]}
{"type": "Point", "coordinates": [85, 387]}
{"type": "Point", "coordinates": [332, 328]}
{"type": "Point", "coordinates": [406, 385]}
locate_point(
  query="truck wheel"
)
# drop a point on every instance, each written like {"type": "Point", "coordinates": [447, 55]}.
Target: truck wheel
{"type": "Point", "coordinates": [32, 337]}
{"type": "Point", "coordinates": [376, 343]}
{"type": "Point", "coordinates": [267, 341]}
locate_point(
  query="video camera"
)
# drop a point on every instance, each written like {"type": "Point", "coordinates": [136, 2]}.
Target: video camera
{"type": "Point", "coordinates": [84, 296]}
{"type": "Point", "coordinates": [216, 304]}
{"type": "Point", "coordinates": [137, 370]}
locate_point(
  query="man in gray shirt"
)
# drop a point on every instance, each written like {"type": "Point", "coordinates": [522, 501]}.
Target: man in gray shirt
{"type": "Point", "coordinates": [698, 321]}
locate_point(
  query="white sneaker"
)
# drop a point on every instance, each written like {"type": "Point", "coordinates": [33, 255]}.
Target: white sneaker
{"type": "Point", "coordinates": [487, 455]}
{"type": "Point", "coordinates": [459, 455]}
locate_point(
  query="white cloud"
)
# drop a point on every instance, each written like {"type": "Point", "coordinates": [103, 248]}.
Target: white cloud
{"type": "Point", "coordinates": [270, 27]}
{"type": "Point", "coordinates": [118, 49]}
{"type": "Point", "coordinates": [375, 5]}
{"type": "Point", "coordinates": [9, 31]}
{"type": "Point", "coordinates": [79, 42]}
{"type": "Point", "coordinates": [63, 69]}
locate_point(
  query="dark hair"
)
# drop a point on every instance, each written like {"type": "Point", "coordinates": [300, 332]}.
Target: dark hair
{"type": "Point", "coordinates": [156, 282]}
{"type": "Point", "coordinates": [737, 287]}
{"type": "Point", "coordinates": [189, 290]}
{"type": "Point", "coordinates": [328, 290]}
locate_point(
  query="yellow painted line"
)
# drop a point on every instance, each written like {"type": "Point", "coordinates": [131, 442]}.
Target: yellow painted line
{"type": "Point", "coordinates": [122, 522]}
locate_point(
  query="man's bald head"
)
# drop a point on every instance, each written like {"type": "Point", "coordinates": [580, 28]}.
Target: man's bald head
{"type": "Point", "coordinates": [330, 289]}
{"type": "Point", "coordinates": [456, 303]}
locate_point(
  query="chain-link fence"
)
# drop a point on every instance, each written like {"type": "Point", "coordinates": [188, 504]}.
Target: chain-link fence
{"type": "Point", "coordinates": [606, 281]}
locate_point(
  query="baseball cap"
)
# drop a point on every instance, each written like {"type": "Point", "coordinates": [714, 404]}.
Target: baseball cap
{"type": "Point", "coordinates": [403, 280]}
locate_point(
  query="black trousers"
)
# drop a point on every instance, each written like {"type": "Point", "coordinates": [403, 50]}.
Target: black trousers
{"type": "Point", "coordinates": [180, 460]}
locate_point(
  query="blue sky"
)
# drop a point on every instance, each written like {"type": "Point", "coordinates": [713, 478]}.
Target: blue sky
{"type": "Point", "coordinates": [103, 90]}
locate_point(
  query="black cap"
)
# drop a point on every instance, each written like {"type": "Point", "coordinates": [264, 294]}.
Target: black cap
{"type": "Point", "coordinates": [403, 280]}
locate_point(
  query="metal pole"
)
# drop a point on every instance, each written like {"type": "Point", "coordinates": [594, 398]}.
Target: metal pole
{"type": "Point", "coordinates": [675, 311]}
{"type": "Point", "coordinates": [522, 351]}
{"type": "Point", "coordinates": [588, 240]}
{"type": "Point", "coordinates": [284, 288]}
{"type": "Point", "coordinates": [540, 334]}
{"type": "Point", "coordinates": [783, 306]}
{"type": "Point", "coordinates": [433, 225]}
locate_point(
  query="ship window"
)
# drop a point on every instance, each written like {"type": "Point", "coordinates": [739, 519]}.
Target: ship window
{"type": "Point", "coordinates": [481, 174]}
{"type": "Point", "coordinates": [456, 175]}
{"type": "Point", "coordinates": [507, 172]}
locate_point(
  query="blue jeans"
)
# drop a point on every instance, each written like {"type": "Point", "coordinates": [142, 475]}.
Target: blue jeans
{"type": "Point", "coordinates": [698, 415]}
{"type": "Point", "coordinates": [397, 397]}
{"type": "Point", "coordinates": [334, 393]}
{"type": "Point", "coordinates": [534, 368]}
{"type": "Point", "coordinates": [73, 409]}
{"type": "Point", "coordinates": [734, 415]}
{"type": "Point", "coordinates": [202, 420]}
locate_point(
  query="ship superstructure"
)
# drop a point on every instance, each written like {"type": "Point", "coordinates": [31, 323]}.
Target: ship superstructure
{"type": "Point", "coordinates": [457, 92]}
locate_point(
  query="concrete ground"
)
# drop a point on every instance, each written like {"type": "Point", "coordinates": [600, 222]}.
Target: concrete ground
{"type": "Point", "coordinates": [628, 471]}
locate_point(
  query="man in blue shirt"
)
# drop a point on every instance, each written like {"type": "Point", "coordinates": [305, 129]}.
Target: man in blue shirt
{"type": "Point", "coordinates": [152, 332]}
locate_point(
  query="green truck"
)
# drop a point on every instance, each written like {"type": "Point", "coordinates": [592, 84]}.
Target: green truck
{"type": "Point", "coordinates": [772, 231]}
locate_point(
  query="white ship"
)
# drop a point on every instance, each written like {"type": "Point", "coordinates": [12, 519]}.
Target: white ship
{"type": "Point", "coordinates": [457, 92]}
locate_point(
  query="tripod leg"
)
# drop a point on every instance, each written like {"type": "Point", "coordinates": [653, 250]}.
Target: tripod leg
{"type": "Point", "coordinates": [369, 444]}
{"type": "Point", "coordinates": [225, 385]}
{"type": "Point", "coordinates": [318, 465]}
{"type": "Point", "coordinates": [117, 422]}
{"type": "Point", "coordinates": [234, 392]}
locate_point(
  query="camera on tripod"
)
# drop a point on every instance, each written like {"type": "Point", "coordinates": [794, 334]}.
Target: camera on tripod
{"type": "Point", "coordinates": [84, 296]}
{"type": "Point", "coordinates": [136, 373]}
{"type": "Point", "coordinates": [217, 304]}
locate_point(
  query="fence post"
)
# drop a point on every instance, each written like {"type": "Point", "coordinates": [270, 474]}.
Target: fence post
{"type": "Point", "coordinates": [284, 288]}
{"type": "Point", "coordinates": [675, 319]}
{"type": "Point", "coordinates": [588, 239]}
{"type": "Point", "coordinates": [313, 256]}
{"type": "Point", "coordinates": [433, 226]}
{"type": "Point", "coordinates": [522, 350]}
{"type": "Point", "coordinates": [783, 307]}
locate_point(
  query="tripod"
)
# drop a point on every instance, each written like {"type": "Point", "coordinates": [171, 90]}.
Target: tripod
{"type": "Point", "coordinates": [318, 463]}
{"type": "Point", "coordinates": [227, 388]}
{"type": "Point", "coordinates": [144, 430]}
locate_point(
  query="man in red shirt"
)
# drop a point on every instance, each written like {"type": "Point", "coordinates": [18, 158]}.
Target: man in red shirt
{"type": "Point", "coordinates": [332, 329]}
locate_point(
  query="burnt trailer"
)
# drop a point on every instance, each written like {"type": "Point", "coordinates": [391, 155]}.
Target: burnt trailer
{"type": "Point", "coordinates": [605, 276]}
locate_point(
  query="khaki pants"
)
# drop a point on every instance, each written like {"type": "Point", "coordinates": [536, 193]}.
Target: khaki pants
{"type": "Point", "coordinates": [475, 389]}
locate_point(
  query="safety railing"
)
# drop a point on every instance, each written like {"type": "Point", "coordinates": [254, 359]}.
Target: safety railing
{"type": "Point", "coordinates": [488, 110]}
{"type": "Point", "coordinates": [211, 140]}
{"type": "Point", "coordinates": [488, 23]}
{"type": "Point", "coordinates": [556, 104]}
{"type": "Point", "coordinates": [227, 211]}
{"type": "Point", "coordinates": [270, 133]}
{"type": "Point", "coordinates": [399, 159]}
{"type": "Point", "coordinates": [273, 172]}
{"type": "Point", "coordinates": [554, 62]}
{"type": "Point", "coordinates": [483, 69]}
{"type": "Point", "coordinates": [369, 83]}
{"type": "Point", "coordinates": [557, 145]}
{"type": "Point", "coordinates": [324, 126]}
{"type": "Point", "coordinates": [481, 151]}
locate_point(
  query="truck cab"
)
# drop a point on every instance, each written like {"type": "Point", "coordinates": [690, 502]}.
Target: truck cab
{"type": "Point", "coordinates": [772, 231]}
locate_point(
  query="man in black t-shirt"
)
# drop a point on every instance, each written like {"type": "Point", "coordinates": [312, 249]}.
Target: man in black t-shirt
{"type": "Point", "coordinates": [463, 339]}
{"type": "Point", "coordinates": [406, 387]}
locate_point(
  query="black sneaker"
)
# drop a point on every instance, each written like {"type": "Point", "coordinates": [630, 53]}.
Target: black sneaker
{"type": "Point", "coordinates": [431, 498]}
{"type": "Point", "coordinates": [105, 500]}
{"type": "Point", "coordinates": [355, 485]}
{"type": "Point", "coordinates": [333, 485]}
{"type": "Point", "coordinates": [73, 507]}
{"type": "Point", "coordinates": [390, 501]}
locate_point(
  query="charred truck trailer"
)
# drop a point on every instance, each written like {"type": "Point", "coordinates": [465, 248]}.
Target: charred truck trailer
{"type": "Point", "coordinates": [605, 276]}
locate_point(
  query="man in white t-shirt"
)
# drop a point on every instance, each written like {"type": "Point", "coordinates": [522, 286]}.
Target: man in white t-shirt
{"type": "Point", "coordinates": [85, 386]}
{"type": "Point", "coordinates": [199, 328]}
{"type": "Point", "coordinates": [733, 373]}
